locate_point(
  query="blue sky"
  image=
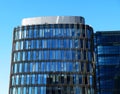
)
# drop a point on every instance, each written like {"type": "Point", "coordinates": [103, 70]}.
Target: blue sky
{"type": "Point", "coordinates": [100, 14]}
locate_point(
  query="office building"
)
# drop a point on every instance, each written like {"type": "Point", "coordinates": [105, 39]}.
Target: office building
{"type": "Point", "coordinates": [52, 55]}
{"type": "Point", "coordinates": [107, 48]}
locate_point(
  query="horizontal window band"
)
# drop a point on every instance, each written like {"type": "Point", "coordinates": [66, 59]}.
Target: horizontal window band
{"type": "Point", "coordinates": [53, 73]}
{"type": "Point", "coordinates": [47, 38]}
{"type": "Point", "coordinates": [55, 49]}
{"type": "Point", "coordinates": [53, 85]}
{"type": "Point", "coordinates": [73, 61]}
{"type": "Point", "coordinates": [48, 26]}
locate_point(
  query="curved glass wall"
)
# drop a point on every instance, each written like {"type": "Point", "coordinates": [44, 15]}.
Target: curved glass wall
{"type": "Point", "coordinates": [52, 59]}
{"type": "Point", "coordinates": [108, 62]}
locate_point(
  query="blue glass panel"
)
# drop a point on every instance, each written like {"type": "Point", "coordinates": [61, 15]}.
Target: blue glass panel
{"type": "Point", "coordinates": [31, 33]}
{"type": "Point", "coordinates": [80, 79]}
{"type": "Point", "coordinates": [73, 54]}
{"type": "Point", "coordinates": [91, 80]}
{"type": "Point", "coordinates": [25, 67]}
{"type": "Point", "coordinates": [30, 90]}
{"type": "Point", "coordinates": [21, 45]}
{"type": "Point", "coordinates": [39, 79]}
{"type": "Point", "coordinates": [77, 90]}
{"type": "Point", "coordinates": [28, 55]}
{"type": "Point", "coordinates": [64, 66]}
{"type": "Point", "coordinates": [13, 80]}
{"type": "Point", "coordinates": [58, 66]}
{"type": "Point", "coordinates": [41, 33]}
{"type": "Point", "coordinates": [40, 43]}
{"type": "Point", "coordinates": [14, 90]}
{"type": "Point", "coordinates": [36, 88]}
{"type": "Point", "coordinates": [53, 33]}
{"type": "Point", "coordinates": [36, 66]}
{"type": "Point", "coordinates": [34, 33]}
{"type": "Point", "coordinates": [76, 43]}
{"type": "Point", "coordinates": [78, 33]}
{"type": "Point", "coordinates": [24, 90]}
{"type": "Point", "coordinates": [42, 66]}
{"type": "Point", "coordinates": [22, 80]}
{"type": "Point", "coordinates": [71, 43]}
{"type": "Point", "coordinates": [27, 80]}
{"type": "Point", "coordinates": [81, 43]}
{"type": "Point", "coordinates": [82, 66]}
{"type": "Point", "coordinates": [15, 68]}
{"type": "Point", "coordinates": [33, 79]}
{"type": "Point", "coordinates": [19, 91]}
{"type": "Point", "coordinates": [23, 56]}
{"type": "Point", "coordinates": [73, 32]}
{"type": "Point", "coordinates": [44, 79]}
{"type": "Point", "coordinates": [18, 56]}
{"type": "Point", "coordinates": [49, 43]}
{"type": "Point", "coordinates": [31, 67]}
{"type": "Point", "coordinates": [88, 33]}
{"type": "Point", "coordinates": [71, 66]}
{"type": "Point", "coordinates": [77, 66]}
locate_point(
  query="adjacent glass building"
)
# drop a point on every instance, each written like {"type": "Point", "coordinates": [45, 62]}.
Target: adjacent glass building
{"type": "Point", "coordinates": [107, 47]}
{"type": "Point", "coordinates": [52, 55]}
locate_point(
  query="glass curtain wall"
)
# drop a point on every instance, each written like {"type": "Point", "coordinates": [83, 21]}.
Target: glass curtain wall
{"type": "Point", "coordinates": [52, 59]}
{"type": "Point", "coordinates": [108, 62]}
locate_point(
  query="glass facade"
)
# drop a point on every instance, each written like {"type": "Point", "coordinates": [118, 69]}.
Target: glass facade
{"type": "Point", "coordinates": [107, 47]}
{"type": "Point", "coordinates": [52, 59]}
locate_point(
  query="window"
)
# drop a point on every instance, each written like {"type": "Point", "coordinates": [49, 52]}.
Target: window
{"type": "Point", "coordinates": [15, 68]}
{"type": "Point", "coordinates": [23, 56]}
{"type": "Point", "coordinates": [42, 66]}
{"type": "Point", "coordinates": [28, 80]}
{"type": "Point", "coordinates": [19, 90]}
{"type": "Point", "coordinates": [16, 35]}
{"type": "Point", "coordinates": [14, 90]}
{"type": "Point", "coordinates": [31, 67]}
{"type": "Point", "coordinates": [90, 80]}
{"type": "Point", "coordinates": [80, 79]}
{"type": "Point", "coordinates": [22, 80]}
{"type": "Point", "coordinates": [13, 80]}
{"type": "Point", "coordinates": [30, 90]}
{"type": "Point", "coordinates": [35, 33]}
{"type": "Point", "coordinates": [34, 55]}
{"type": "Point", "coordinates": [29, 54]}
{"type": "Point", "coordinates": [33, 79]}
{"type": "Point", "coordinates": [20, 67]}
{"type": "Point", "coordinates": [24, 90]}
{"type": "Point", "coordinates": [36, 67]}
{"type": "Point", "coordinates": [81, 43]}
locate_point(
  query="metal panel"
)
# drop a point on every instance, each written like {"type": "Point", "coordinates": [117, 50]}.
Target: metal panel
{"type": "Point", "coordinates": [53, 20]}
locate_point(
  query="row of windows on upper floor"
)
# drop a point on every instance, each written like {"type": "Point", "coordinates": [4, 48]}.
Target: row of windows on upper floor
{"type": "Point", "coordinates": [55, 26]}
{"type": "Point", "coordinates": [107, 62]}
{"type": "Point", "coordinates": [52, 90]}
{"type": "Point", "coordinates": [108, 72]}
{"type": "Point", "coordinates": [107, 39]}
{"type": "Point", "coordinates": [107, 84]}
{"type": "Point", "coordinates": [106, 75]}
{"type": "Point", "coordinates": [112, 70]}
{"type": "Point", "coordinates": [51, 79]}
{"type": "Point", "coordinates": [52, 55]}
{"type": "Point", "coordinates": [108, 78]}
{"type": "Point", "coordinates": [52, 43]}
{"type": "Point", "coordinates": [110, 60]}
{"type": "Point", "coordinates": [51, 67]}
{"type": "Point", "coordinates": [108, 49]}
{"type": "Point", "coordinates": [45, 33]}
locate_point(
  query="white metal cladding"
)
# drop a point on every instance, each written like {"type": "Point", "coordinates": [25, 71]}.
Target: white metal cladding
{"type": "Point", "coordinates": [53, 20]}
